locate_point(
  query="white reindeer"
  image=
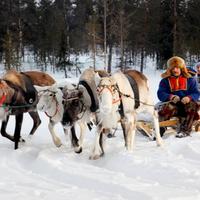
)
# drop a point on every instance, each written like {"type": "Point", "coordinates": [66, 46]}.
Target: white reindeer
{"type": "Point", "coordinates": [128, 92]}
{"type": "Point", "coordinates": [52, 103]}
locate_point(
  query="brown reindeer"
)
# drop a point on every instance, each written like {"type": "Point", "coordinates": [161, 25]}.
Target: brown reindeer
{"type": "Point", "coordinates": [17, 96]}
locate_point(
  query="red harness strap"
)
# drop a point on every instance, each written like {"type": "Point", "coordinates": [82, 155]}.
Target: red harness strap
{"type": "Point", "coordinates": [3, 99]}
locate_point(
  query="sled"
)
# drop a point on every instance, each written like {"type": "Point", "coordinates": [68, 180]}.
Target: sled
{"type": "Point", "coordinates": [146, 127]}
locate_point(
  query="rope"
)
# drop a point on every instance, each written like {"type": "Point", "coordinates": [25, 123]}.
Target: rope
{"type": "Point", "coordinates": [56, 111]}
{"type": "Point", "coordinates": [129, 96]}
{"type": "Point", "coordinates": [19, 106]}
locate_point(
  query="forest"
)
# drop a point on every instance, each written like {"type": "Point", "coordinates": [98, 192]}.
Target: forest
{"type": "Point", "coordinates": [53, 31]}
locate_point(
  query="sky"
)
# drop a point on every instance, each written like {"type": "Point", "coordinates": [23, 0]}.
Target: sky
{"type": "Point", "coordinates": [39, 170]}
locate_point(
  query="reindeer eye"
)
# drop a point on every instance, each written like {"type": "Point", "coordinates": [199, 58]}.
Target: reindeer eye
{"type": "Point", "coordinates": [31, 100]}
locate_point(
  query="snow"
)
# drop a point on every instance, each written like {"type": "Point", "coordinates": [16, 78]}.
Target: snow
{"type": "Point", "coordinates": [39, 170]}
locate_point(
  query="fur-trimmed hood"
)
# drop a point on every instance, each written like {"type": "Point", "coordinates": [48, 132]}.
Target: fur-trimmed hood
{"type": "Point", "coordinates": [176, 62]}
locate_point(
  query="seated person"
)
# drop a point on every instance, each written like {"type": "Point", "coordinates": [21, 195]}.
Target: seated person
{"type": "Point", "coordinates": [180, 92]}
{"type": "Point", "coordinates": [192, 71]}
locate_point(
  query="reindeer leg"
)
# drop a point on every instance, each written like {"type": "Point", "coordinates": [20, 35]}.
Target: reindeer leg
{"type": "Point", "coordinates": [3, 129]}
{"type": "Point", "coordinates": [36, 121]}
{"type": "Point", "coordinates": [159, 140]}
{"type": "Point", "coordinates": [18, 125]}
{"type": "Point", "coordinates": [98, 145]}
{"type": "Point", "coordinates": [130, 128]}
{"type": "Point", "coordinates": [101, 143]}
{"type": "Point", "coordinates": [83, 127]}
{"type": "Point", "coordinates": [124, 131]}
{"type": "Point", "coordinates": [55, 138]}
{"type": "Point", "coordinates": [75, 141]}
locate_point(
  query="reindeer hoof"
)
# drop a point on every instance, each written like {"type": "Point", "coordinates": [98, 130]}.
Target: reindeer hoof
{"type": "Point", "coordinates": [78, 150]}
{"type": "Point", "coordinates": [22, 140]}
{"type": "Point", "coordinates": [160, 143]}
{"type": "Point", "coordinates": [95, 157]}
{"type": "Point", "coordinates": [110, 135]}
{"type": "Point", "coordinates": [57, 142]}
{"type": "Point", "coordinates": [59, 145]}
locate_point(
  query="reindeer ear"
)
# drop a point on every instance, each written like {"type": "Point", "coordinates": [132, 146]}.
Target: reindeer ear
{"type": "Point", "coordinates": [54, 87]}
{"type": "Point", "coordinates": [113, 80]}
{"type": "Point", "coordinates": [38, 88]}
{"type": "Point", "coordinates": [97, 79]}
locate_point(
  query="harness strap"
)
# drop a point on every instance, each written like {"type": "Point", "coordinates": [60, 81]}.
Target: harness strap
{"type": "Point", "coordinates": [2, 100]}
{"type": "Point", "coordinates": [94, 106]}
{"type": "Point", "coordinates": [121, 107]}
{"type": "Point", "coordinates": [56, 111]}
{"type": "Point", "coordinates": [14, 104]}
{"type": "Point", "coordinates": [135, 89]}
{"type": "Point", "coordinates": [16, 90]}
{"type": "Point", "coordinates": [53, 114]}
{"type": "Point", "coordinates": [30, 93]}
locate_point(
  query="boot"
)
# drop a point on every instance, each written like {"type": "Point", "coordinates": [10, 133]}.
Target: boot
{"type": "Point", "coordinates": [165, 113]}
{"type": "Point", "coordinates": [187, 122]}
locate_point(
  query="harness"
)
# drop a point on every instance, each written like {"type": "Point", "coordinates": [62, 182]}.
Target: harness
{"type": "Point", "coordinates": [121, 107]}
{"type": "Point", "coordinates": [112, 89]}
{"type": "Point", "coordinates": [135, 89]}
{"type": "Point", "coordinates": [94, 106]}
{"type": "Point", "coordinates": [56, 111]}
{"type": "Point", "coordinates": [64, 101]}
{"type": "Point", "coordinates": [14, 105]}
{"type": "Point", "coordinates": [115, 87]}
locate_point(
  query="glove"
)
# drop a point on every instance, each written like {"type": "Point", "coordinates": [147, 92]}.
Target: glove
{"type": "Point", "coordinates": [175, 98]}
{"type": "Point", "coordinates": [185, 100]}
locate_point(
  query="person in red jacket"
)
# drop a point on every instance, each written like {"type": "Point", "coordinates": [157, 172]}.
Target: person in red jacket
{"type": "Point", "coordinates": [180, 92]}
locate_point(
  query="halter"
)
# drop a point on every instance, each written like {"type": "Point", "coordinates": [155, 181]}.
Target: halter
{"type": "Point", "coordinates": [112, 89]}
{"type": "Point", "coordinates": [53, 99]}
{"type": "Point", "coordinates": [56, 111]}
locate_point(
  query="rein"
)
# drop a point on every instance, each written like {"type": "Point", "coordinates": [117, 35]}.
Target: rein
{"type": "Point", "coordinates": [115, 86]}
{"type": "Point", "coordinates": [129, 96]}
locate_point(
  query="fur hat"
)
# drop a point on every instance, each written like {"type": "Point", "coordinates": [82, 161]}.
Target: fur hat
{"type": "Point", "coordinates": [176, 62]}
{"type": "Point", "coordinates": [197, 65]}
{"type": "Point", "coordinates": [192, 71]}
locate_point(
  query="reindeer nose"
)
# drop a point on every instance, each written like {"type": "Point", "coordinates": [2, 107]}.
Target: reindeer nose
{"type": "Point", "coordinates": [105, 109]}
{"type": "Point", "coordinates": [65, 124]}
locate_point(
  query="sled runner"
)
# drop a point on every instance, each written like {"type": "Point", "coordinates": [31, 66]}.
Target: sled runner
{"type": "Point", "coordinates": [146, 127]}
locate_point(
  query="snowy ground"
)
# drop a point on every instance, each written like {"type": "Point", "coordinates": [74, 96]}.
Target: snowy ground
{"type": "Point", "coordinates": [39, 170]}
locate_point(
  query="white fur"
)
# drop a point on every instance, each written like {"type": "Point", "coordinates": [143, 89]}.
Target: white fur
{"type": "Point", "coordinates": [108, 111]}
{"type": "Point", "coordinates": [49, 103]}
{"type": "Point", "coordinates": [50, 99]}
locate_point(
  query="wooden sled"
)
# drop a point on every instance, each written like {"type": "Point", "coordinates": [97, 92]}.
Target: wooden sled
{"type": "Point", "coordinates": [146, 128]}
